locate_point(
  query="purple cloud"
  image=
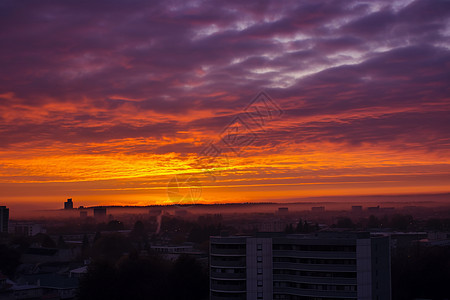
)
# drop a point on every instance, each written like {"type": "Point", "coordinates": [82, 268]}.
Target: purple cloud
{"type": "Point", "coordinates": [114, 60]}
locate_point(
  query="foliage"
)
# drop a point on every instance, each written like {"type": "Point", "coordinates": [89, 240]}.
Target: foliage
{"type": "Point", "coordinates": [421, 272]}
{"type": "Point", "coordinates": [9, 260]}
{"type": "Point", "coordinates": [145, 278]}
{"type": "Point", "coordinates": [111, 247]}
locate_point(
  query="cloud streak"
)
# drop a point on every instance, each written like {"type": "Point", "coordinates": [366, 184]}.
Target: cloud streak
{"type": "Point", "coordinates": [143, 83]}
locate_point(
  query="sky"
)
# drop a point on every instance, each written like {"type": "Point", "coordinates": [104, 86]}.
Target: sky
{"type": "Point", "coordinates": [161, 102]}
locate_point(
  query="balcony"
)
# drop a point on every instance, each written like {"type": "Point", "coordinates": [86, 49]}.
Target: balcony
{"type": "Point", "coordinates": [217, 275]}
{"type": "Point", "coordinates": [228, 285]}
{"type": "Point", "coordinates": [220, 261]}
{"type": "Point", "coordinates": [314, 254]}
{"type": "Point", "coordinates": [230, 252]}
{"type": "Point", "coordinates": [314, 267]}
{"type": "Point", "coordinates": [315, 293]}
{"type": "Point", "coordinates": [314, 280]}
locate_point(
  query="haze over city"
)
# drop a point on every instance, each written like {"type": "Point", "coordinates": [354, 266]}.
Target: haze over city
{"type": "Point", "coordinates": [106, 102]}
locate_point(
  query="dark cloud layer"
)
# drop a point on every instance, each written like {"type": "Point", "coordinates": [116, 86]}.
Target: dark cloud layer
{"type": "Point", "coordinates": [132, 69]}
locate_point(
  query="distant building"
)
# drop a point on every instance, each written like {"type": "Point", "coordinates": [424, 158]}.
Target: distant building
{"type": "Point", "coordinates": [387, 209]}
{"type": "Point", "coordinates": [373, 209]}
{"type": "Point", "coordinates": [318, 209]}
{"type": "Point", "coordinates": [54, 286]}
{"type": "Point", "coordinates": [283, 211]}
{"type": "Point", "coordinates": [173, 252]}
{"type": "Point", "coordinates": [404, 240]}
{"type": "Point", "coordinates": [326, 265]}
{"type": "Point", "coordinates": [43, 255]}
{"type": "Point", "coordinates": [100, 212]}
{"type": "Point", "coordinates": [4, 219]}
{"type": "Point", "coordinates": [266, 226]}
{"type": "Point", "coordinates": [27, 291]}
{"type": "Point", "coordinates": [79, 272]}
{"type": "Point", "coordinates": [26, 228]}
{"type": "Point", "coordinates": [356, 209]}
{"type": "Point", "coordinates": [68, 204]}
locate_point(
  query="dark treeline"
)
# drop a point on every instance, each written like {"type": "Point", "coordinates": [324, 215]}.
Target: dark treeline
{"type": "Point", "coordinates": [401, 222]}
{"type": "Point", "coordinates": [145, 278]}
{"type": "Point", "coordinates": [421, 273]}
{"type": "Point", "coordinates": [119, 271]}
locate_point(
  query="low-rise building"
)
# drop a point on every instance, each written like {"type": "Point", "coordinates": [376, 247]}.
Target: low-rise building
{"type": "Point", "coordinates": [173, 252]}
{"type": "Point", "coordinates": [26, 228]}
{"type": "Point", "coordinates": [4, 219]}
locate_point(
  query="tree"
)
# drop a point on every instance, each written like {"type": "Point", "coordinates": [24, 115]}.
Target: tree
{"type": "Point", "coordinates": [61, 243]}
{"type": "Point", "coordinates": [139, 235]}
{"type": "Point", "coordinates": [299, 226]}
{"type": "Point", "coordinates": [97, 236]}
{"type": "Point", "coordinates": [188, 279]}
{"type": "Point", "coordinates": [435, 224]}
{"type": "Point", "coordinates": [111, 247]}
{"type": "Point", "coordinates": [85, 247]}
{"type": "Point", "coordinates": [139, 229]}
{"type": "Point", "coordinates": [115, 225]}
{"type": "Point", "coordinates": [44, 240]}
{"type": "Point", "coordinates": [200, 234]}
{"type": "Point", "coordinates": [306, 228]}
{"type": "Point", "coordinates": [345, 223]}
{"type": "Point", "coordinates": [422, 273]}
{"type": "Point", "coordinates": [9, 260]}
{"type": "Point", "coordinates": [143, 279]}
{"type": "Point", "coordinates": [373, 222]}
{"type": "Point", "coordinates": [289, 229]}
{"type": "Point", "coordinates": [401, 222]}
{"type": "Point", "coordinates": [99, 282]}
{"type": "Point", "coordinates": [137, 279]}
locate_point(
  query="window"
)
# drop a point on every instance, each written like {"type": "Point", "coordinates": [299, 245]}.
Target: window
{"type": "Point", "coordinates": [259, 258]}
{"type": "Point", "coordinates": [260, 283]}
{"type": "Point", "coordinates": [260, 295]}
{"type": "Point", "coordinates": [259, 270]}
{"type": "Point", "coordinates": [259, 246]}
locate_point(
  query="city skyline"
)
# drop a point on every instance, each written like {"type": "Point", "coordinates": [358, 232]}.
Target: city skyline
{"type": "Point", "coordinates": [108, 102]}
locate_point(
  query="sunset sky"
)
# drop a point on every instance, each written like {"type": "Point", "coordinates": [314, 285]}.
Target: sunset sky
{"type": "Point", "coordinates": [108, 101]}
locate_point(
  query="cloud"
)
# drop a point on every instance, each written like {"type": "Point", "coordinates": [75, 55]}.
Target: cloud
{"type": "Point", "coordinates": [108, 76]}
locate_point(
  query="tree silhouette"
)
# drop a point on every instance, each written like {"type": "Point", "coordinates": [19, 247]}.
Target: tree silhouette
{"type": "Point", "coordinates": [111, 247]}
{"type": "Point", "coordinates": [9, 260]}
{"type": "Point", "coordinates": [299, 226]}
{"type": "Point", "coordinates": [145, 278]}
{"type": "Point", "coordinates": [345, 223]}
{"type": "Point", "coordinates": [61, 243]}
{"type": "Point", "coordinates": [188, 279]}
{"type": "Point", "coordinates": [85, 248]}
{"type": "Point", "coordinates": [373, 222]}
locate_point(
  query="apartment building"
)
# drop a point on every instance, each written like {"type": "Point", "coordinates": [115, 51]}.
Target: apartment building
{"type": "Point", "coordinates": [319, 266]}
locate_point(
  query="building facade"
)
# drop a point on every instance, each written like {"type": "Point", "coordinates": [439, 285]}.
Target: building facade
{"type": "Point", "coordinates": [26, 228]}
{"type": "Point", "coordinates": [4, 219]}
{"type": "Point", "coordinates": [321, 266]}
